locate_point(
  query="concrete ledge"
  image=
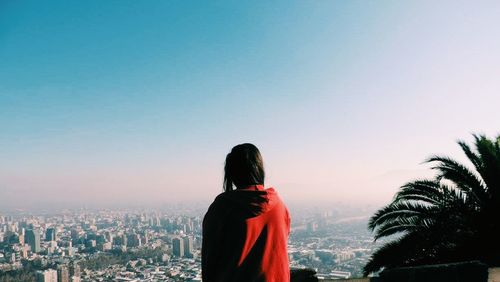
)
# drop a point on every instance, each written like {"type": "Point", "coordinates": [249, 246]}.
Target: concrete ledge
{"type": "Point", "coordinates": [347, 280]}
{"type": "Point", "coordinates": [494, 274]}
{"type": "Point", "coordinates": [451, 272]}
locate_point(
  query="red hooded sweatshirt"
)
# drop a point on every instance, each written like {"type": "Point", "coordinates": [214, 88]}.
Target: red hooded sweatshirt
{"type": "Point", "coordinates": [245, 235]}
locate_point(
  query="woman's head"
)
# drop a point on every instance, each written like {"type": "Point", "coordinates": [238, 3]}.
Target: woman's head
{"type": "Point", "coordinates": [244, 166]}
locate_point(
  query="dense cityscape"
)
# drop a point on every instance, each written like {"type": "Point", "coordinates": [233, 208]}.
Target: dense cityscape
{"type": "Point", "coordinates": [140, 245]}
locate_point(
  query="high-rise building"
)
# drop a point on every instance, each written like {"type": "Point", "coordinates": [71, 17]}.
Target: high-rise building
{"type": "Point", "coordinates": [63, 274]}
{"type": "Point", "coordinates": [24, 251]}
{"type": "Point", "coordinates": [74, 270]}
{"type": "Point", "coordinates": [133, 240]}
{"type": "Point", "coordinates": [50, 234]}
{"type": "Point", "coordinates": [70, 250]}
{"type": "Point", "coordinates": [104, 246]}
{"type": "Point", "coordinates": [75, 235]}
{"type": "Point", "coordinates": [188, 246]}
{"type": "Point", "coordinates": [21, 239]}
{"type": "Point", "coordinates": [155, 221]}
{"type": "Point", "coordinates": [49, 275]}
{"type": "Point", "coordinates": [33, 239]}
{"type": "Point", "coordinates": [51, 247]}
{"type": "Point", "coordinates": [178, 247]}
{"type": "Point", "coordinates": [108, 236]}
{"type": "Point", "coordinates": [90, 244]}
{"type": "Point", "coordinates": [124, 240]}
{"type": "Point", "coordinates": [145, 238]}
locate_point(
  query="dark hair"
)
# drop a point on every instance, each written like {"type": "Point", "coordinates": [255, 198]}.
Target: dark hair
{"type": "Point", "coordinates": [244, 166]}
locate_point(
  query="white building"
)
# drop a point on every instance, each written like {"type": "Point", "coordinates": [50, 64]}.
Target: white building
{"type": "Point", "coordinates": [49, 275]}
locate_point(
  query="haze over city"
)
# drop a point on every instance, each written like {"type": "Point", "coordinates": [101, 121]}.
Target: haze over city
{"type": "Point", "coordinates": [137, 103]}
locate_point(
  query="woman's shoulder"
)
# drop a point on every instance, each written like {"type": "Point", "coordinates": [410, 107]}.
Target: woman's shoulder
{"type": "Point", "coordinates": [219, 204]}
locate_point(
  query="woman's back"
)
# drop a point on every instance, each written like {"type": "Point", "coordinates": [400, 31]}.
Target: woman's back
{"type": "Point", "coordinates": [245, 234]}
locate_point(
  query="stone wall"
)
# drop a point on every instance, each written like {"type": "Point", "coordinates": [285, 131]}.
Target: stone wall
{"type": "Point", "coordinates": [453, 272]}
{"type": "Point", "coordinates": [347, 280]}
{"type": "Point", "coordinates": [450, 272]}
{"type": "Point", "coordinates": [494, 274]}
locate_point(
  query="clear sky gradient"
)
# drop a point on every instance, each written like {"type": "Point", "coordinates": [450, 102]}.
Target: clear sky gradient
{"type": "Point", "coordinates": [139, 101]}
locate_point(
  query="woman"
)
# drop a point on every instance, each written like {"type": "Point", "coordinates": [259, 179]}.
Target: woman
{"type": "Point", "coordinates": [245, 230]}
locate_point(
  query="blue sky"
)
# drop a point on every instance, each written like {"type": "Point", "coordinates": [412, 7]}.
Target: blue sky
{"type": "Point", "coordinates": [141, 100]}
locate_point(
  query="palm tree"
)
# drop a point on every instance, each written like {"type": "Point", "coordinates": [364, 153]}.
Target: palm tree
{"type": "Point", "coordinates": [453, 217]}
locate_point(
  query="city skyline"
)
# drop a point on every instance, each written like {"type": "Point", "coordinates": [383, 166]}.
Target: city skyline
{"type": "Point", "coordinates": [129, 103]}
{"type": "Point", "coordinates": [157, 245]}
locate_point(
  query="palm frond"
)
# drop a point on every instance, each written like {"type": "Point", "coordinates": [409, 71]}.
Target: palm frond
{"type": "Point", "coordinates": [397, 210]}
{"type": "Point", "coordinates": [404, 225]}
{"type": "Point", "coordinates": [464, 178]}
{"type": "Point", "coordinates": [474, 158]}
{"type": "Point", "coordinates": [489, 153]}
{"type": "Point", "coordinates": [454, 198]}
{"type": "Point", "coordinates": [395, 253]}
{"type": "Point", "coordinates": [426, 191]}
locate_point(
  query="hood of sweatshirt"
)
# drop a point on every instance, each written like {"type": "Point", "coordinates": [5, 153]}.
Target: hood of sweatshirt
{"type": "Point", "coordinates": [250, 202]}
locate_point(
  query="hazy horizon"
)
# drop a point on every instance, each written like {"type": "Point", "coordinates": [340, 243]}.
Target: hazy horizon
{"type": "Point", "coordinates": [137, 103]}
